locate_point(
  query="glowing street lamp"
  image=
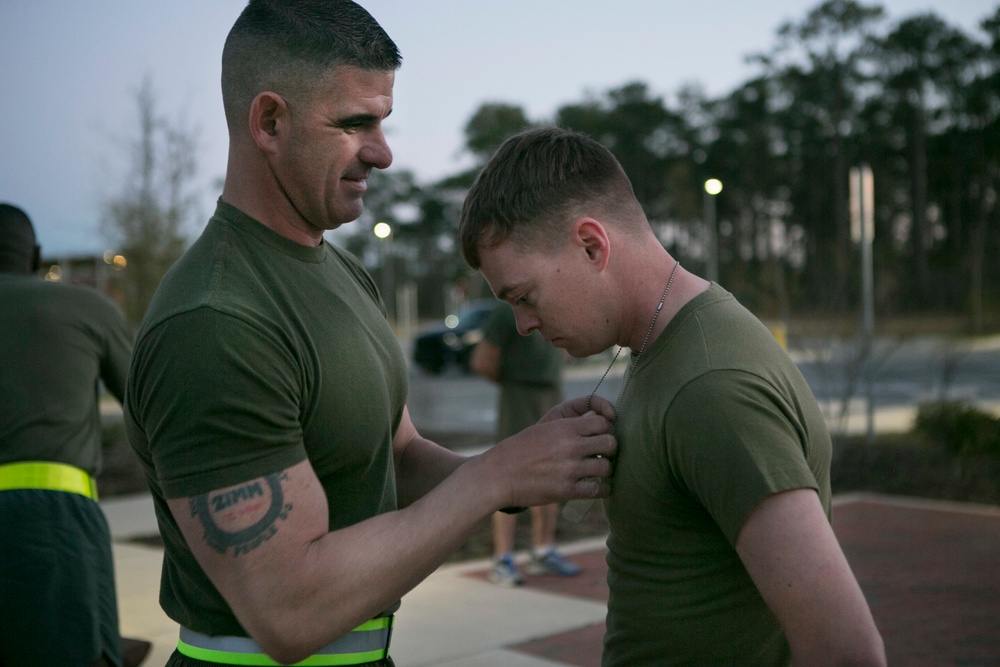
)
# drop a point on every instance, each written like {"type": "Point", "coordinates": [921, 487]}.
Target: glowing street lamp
{"type": "Point", "coordinates": [383, 231]}
{"type": "Point", "coordinates": [713, 187]}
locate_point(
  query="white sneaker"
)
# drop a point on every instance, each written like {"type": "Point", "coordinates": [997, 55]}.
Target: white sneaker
{"type": "Point", "coordinates": [505, 572]}
{"type": "Point", "coordinates": [551, 562]}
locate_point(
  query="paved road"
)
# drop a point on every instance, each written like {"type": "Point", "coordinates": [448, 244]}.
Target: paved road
{"type": "Point", "coordinates": [907, 373]}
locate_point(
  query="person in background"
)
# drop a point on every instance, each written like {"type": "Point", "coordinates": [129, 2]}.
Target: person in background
{"type": "Point", "coordinates": [720, 549]}
{"type": "Point", "coordinates": [267, 393]}
{"type": "Point", "coordinates": [57, 343]}
{"type": "Point", "coordinates": [529, 372]}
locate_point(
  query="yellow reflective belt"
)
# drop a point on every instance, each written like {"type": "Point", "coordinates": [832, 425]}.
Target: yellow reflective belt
{"type": "Point", "coordinates": [366, 643]}
{"type": "Point", "coordinates": [47, 476]}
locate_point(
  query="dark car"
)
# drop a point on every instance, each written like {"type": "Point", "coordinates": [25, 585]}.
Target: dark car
{"type": "Point", "coordinates": [451, 343]}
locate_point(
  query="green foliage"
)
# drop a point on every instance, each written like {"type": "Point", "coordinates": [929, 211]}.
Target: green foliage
{"type": "Point", "coordinates": [490, 125]}
{"type": "Point", "coordinates": [915, 97]}
{"type": "Point", "coordinates": [962, 429]}
{"type": "Point", "coordinates": [904, 464]}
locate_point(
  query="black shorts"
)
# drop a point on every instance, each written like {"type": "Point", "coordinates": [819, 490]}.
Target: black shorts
{"type": "Point", "coordinates": [57, 581]}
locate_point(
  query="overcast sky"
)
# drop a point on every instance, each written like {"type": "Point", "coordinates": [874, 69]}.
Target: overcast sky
{"type": "Point", "coordinates": [68, 72]}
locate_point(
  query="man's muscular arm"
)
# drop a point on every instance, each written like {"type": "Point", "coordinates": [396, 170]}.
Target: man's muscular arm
{"type": "Point", "coordinates": [295, 586]}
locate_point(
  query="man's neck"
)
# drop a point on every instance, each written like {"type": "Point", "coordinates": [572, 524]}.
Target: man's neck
{"type": "Point", "coordinates": [250, 188]}
{"type": "Point", "coordinates": [650, 277]}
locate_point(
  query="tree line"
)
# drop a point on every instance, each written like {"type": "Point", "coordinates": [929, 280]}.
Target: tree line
{"type": "Point", "coordinates": [916, 99]}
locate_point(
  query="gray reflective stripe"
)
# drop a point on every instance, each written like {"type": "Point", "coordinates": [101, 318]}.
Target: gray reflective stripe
{"type": "Point", "coordinates": [360, 640]}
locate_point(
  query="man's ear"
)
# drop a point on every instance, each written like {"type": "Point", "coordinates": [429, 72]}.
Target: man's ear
{"type": "Point", "coordinates": [590, 236]}
{"type": "Point", "coordinates": [268, 112]}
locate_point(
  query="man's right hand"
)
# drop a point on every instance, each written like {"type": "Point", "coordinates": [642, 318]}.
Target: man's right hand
{"type": "Point", "coordinates": [560, 458]}
{"type": "Point", "coordinates": [580, 406]}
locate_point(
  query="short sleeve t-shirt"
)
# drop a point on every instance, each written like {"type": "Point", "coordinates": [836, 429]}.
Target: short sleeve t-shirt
{"type": "Point", "coordinates": [715, 419]}
{"type": "Point", "coordinates": [257, 353]}
{"type": "Point", "coordinates": [58, 342]}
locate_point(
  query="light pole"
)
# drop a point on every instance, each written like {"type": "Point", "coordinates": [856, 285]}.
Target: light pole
{"type": "Point", "coordinates": [713, 186]}
{"type": "Point", "coordinates": [862, 206]}
{"type": "Point", "coordinates": [383, 231]}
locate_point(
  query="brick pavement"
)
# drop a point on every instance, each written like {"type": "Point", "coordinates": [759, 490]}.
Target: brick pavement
{"type": "Point", "coordinates": [930, 571]}
{"type": "Point", "coordinates": [580, 647]}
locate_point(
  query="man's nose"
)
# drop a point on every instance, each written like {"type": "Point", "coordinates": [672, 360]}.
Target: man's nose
{"type": "Point", "coordinates": [376, 152]}
{"type": "Point", "coordinates": [526, 324]}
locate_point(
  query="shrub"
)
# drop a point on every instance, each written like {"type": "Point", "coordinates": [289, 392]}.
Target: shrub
{"type": "Point", "coordinates": [904, 464]}
{"type": "Point", "coordinates": [962, 429]}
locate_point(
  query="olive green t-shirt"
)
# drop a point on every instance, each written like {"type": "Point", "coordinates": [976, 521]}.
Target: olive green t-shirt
{"type": "Point", "coordinates": [257, 353]}
{"type": "Point", "coordinates": [57, 343]}
{"type": "Point", "coordinates": [530, 373]}
{"type": "Point", "coordinates": [715, 419]}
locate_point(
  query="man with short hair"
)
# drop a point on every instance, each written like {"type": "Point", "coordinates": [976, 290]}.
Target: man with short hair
{"type": "Point", "coordinates": [59, 342]}
{"type": "Point", "coordinates": [529, 373]}
{"type": "Point", "coordinates": [266, 398]}
{"type": "Point", "coordinates": [720, 549]}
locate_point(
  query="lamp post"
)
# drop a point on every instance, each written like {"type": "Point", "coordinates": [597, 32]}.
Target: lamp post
{"type": "Point", "coordinates": [383, 231]}
{"type": "Point", "coordinates": [862, 207]}
{"type": "Point", "coordinates": [713, 187]}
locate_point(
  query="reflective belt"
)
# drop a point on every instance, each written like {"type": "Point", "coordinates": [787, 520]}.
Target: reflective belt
{"type": "Point", "coordinates": [48, 476]}
{"type": "Point", "coordinates": [366, 643]}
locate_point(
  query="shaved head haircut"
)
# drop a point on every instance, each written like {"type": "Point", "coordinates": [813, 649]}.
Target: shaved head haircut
{"type": "Point", "coordinates": [288, 46]}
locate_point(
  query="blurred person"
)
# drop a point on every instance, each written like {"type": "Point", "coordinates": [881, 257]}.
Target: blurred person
{"type": "Point", "coordinates": [720, 549]}
{"type": "Point", "coordinates": [267, 394]}
{"type": "Point", "coordinates": [529, 373]}
{"type": "Point", "coordinates": [56, 570]}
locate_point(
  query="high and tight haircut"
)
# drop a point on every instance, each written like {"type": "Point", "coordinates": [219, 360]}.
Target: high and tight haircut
{"type": "Point", "coordinates": [287, 46]}
{"type": "Point", "coordinates": [18, 247]}
{"type": "Point", "coordinates": [536, 183]}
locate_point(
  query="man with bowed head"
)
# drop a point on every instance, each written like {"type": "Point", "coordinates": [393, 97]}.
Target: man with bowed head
{"type": "Point", "coordinates": [529, 373]}
{"type": "Point", "coordinates": [267, 395]}
{"type": "Point", "coordinates": [720, 549]}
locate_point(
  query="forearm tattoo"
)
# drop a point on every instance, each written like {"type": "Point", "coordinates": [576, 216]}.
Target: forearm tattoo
{"type": "Point", "coordinates": [241, 518]}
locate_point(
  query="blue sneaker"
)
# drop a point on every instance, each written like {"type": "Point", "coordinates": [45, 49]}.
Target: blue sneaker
{"type": "Point", "coordinates": [551, 562]}
{"type": "Point", "coordinates": [505, 572]}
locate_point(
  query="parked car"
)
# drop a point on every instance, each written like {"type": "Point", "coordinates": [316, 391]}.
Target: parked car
{"type": "Point", "coordinates": [450, 343]}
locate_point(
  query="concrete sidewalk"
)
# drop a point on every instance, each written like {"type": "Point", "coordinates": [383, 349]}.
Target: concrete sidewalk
{"type": "Point", "coordinates": [455, 617]}
{"type": "Point", "coordinates": [930, 570]}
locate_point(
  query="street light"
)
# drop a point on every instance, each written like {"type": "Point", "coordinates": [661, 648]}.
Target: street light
{"type": "Point", "coordinates": [713, 186]}
{"type": "Point", "coordinates": [383, 231]}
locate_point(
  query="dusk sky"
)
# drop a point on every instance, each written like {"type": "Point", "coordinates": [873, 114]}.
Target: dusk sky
{"type": "Point", "coordinates": [69, 71]}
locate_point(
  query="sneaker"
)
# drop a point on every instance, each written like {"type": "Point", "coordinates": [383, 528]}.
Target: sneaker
{"type": "Point", "coordinates": [552, 562]}
{"type": "Point", "coordinates": [505, 572]}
